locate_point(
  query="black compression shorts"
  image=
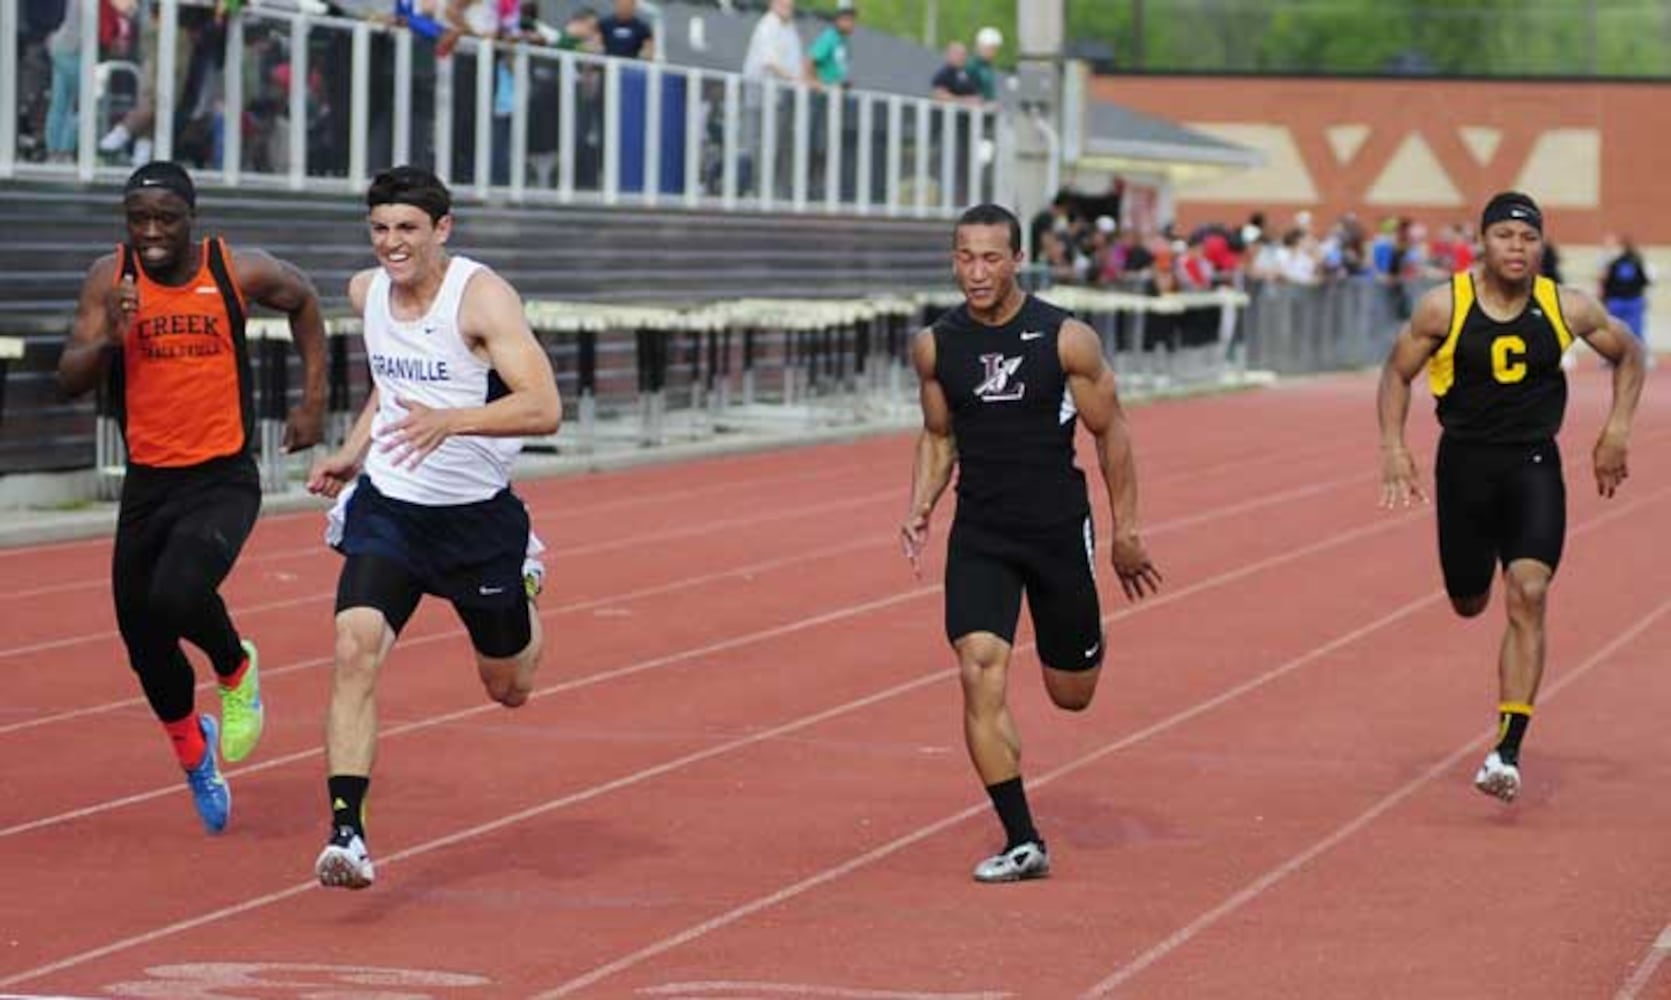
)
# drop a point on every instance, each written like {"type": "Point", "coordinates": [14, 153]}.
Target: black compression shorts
{"type": "Point", "coordinates": [988, 570]}
{"type": "Point", "coordinates": [1497, 503]}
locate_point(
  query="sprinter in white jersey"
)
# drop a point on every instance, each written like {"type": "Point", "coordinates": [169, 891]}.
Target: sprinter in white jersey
{"type": "Point", "coordinates": [424, 504]}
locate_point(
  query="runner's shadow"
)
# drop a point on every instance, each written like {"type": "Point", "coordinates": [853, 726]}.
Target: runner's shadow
{"type": "Point", "coordinates": [1548, 776]}
{"type": "Point", "coordinates": [554, 865]}
{"type": "Point", "coordinates": [277, 805]}
{"type": "Point", "coordinates": [1092, 824]}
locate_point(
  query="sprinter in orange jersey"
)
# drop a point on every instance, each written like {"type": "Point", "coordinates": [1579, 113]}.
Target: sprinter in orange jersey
{"type": "Point", "coordinates": [167, 312]}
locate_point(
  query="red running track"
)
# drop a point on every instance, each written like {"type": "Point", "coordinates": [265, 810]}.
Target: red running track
{"type": "Point", "coordinates": [743, 774]}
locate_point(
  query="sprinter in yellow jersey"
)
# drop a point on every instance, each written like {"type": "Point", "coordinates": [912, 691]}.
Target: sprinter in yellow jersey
{"type": "Point", "coordinates": [1492, 340]}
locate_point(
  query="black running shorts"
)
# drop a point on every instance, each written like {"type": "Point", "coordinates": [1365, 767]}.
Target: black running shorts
{"type": "Point", "coordinates": [988, 570]}
{"type": "Point", "coordinates": [1497, 503]}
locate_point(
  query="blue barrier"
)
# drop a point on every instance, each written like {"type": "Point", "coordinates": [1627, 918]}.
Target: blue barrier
{"type": "Point", "coordinates": [633, 112]}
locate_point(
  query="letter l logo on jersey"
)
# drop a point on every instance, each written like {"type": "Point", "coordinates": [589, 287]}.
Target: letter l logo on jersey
{"type": "Point", "coordinates": [996, 387]}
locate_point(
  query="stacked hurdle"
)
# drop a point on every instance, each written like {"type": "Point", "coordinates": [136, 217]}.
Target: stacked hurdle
{"type": "Point", "coordinates": [11, 349]}
{"type": "Point", "coordinates": [670, 373]}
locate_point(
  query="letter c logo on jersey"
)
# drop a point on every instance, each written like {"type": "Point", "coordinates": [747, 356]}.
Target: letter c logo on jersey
{"type": "Point", "coordinates": [1508, 359]}
{"type": "Point", "coordinates": [996, 386]}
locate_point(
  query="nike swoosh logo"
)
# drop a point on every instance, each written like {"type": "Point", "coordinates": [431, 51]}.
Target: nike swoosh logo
{"type": "Point", "coordinates": [1031, 336]}
{"type": "Point", "coordinates": [490, 591]}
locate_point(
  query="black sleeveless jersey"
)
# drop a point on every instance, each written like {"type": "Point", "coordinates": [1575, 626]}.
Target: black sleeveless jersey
{"type": "Point", "coordinates": [1502, 383]}
{"type": "Point", "coordinates": [1012, 416]}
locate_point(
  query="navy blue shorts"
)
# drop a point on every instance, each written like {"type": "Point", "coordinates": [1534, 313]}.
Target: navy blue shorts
{"type": "Point", "coordinates": [469, 554]}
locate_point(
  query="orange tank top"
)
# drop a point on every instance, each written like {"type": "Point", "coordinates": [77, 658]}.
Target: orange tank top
{"type": "Point", "coordinates": [186, 394]}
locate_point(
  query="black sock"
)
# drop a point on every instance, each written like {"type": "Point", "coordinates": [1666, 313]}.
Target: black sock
{"type": "Point", "coordinates": [348, 801]}
{"type": "Point", "coordinates": [1512, 720]}
{"type": "Point", "coordinates": [1011, 802]}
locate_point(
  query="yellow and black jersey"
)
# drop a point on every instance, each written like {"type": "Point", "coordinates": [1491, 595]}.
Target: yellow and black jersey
{"type": "Point", "coordinates": [1501, 382]}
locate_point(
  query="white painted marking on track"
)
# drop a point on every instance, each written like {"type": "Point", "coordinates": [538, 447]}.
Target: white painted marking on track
{"type": "Point", "coordinates": [1643, 973]}
{"type": "Point", "coordinates": [217, 980]}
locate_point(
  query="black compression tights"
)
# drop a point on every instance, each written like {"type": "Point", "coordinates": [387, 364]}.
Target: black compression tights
{"type": "Point", "coordinates": [168, 567]}
{"type": "Point", "coordinates": [157, 605]}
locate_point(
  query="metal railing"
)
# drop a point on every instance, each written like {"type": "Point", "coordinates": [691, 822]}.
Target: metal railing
{"type": "Point", "coordinates": [1340, 324]}
{"type": "Point", "coordinates": [323, 103]}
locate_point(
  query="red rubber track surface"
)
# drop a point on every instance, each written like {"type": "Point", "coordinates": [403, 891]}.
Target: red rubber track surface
{"type": "Point", "coordinates": [743, 772]}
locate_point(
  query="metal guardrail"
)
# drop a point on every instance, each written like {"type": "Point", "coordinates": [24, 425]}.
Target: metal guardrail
{"type": "Point", "coordinates": [1294, 329]}
{"type": "Point", "coordinates": [323, 103]}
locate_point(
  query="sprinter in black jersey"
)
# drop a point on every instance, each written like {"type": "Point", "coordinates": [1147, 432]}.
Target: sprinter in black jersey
{"type": "Point", "coordinates": [1492, 341]}
{"type": "Point", "coordinates": [1003, 378]}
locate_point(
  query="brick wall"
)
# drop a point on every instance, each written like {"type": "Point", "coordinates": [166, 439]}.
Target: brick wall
{"type": "Point", "coordinates": [1596, 155]}
{"type": "Point", "coordinates": [1590, 152]}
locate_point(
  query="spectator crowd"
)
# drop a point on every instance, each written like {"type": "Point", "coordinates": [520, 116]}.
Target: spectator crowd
{"type": "Point", "coordinates": [1079, 240]}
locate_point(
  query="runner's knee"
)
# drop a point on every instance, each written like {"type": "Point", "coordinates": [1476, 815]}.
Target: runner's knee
{"type": "Point", "coordinates": [359, 646]}
{"type": "Point", "coordinates": [1527, 593]}
{"type": "Point", "coordinates": [983, 662]}
{"type": "Point", "coordinates": [1071, 691]}
{"type": "Point", "coordinates": [500, 678]}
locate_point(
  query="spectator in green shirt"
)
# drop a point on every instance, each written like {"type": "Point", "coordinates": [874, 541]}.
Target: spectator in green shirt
{"type": "Point", "coordinates": [828, 57]}
{"type": "Point", "coordinates": [581, 33]}
{"type": "Point", "coordinates": [987, 43]}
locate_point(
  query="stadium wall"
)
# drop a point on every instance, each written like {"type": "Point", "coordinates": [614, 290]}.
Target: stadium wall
{"type": "Point", "coordinates": [1434, 150]}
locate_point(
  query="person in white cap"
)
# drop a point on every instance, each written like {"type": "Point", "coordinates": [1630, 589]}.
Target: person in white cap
{"type": "Point", "coordinates": [988, 41]}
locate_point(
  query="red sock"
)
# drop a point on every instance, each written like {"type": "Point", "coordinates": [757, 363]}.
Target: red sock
{"type": "Point", "coordinates": [188, 742]}
{"type": "Point", "coordinates": [236, 677]}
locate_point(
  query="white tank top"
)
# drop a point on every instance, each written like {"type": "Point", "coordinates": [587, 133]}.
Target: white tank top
{"type": "Point", "coordinates": [429, 361]}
